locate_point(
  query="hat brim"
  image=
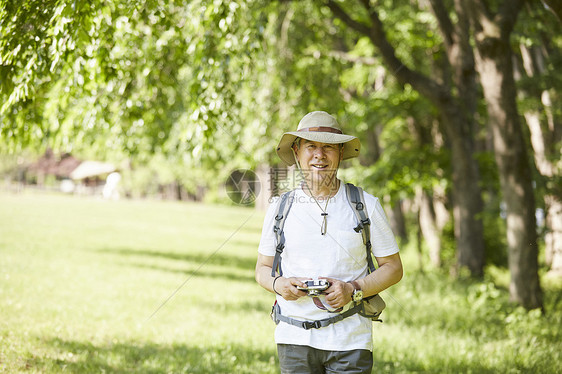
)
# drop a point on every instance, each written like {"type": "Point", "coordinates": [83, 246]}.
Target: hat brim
{"type": "Point", "coordinates": [350, 150]}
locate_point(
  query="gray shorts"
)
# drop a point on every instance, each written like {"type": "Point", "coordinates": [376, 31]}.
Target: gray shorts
{"type": "Point", "coordinates": [302, 359]}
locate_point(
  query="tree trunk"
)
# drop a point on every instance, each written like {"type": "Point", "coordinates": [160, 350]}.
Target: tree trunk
{"type": "Point", "coordinates": [460, 124]}
{"type": "Point", "coordinates": [552, 199]}
{"type": "Point", "coordinates": [398, 222]}
{"type": "Point", "coordinates": [372, 151]}
{"type": "Point", "coordinates": [494, 64]}
{"type": "Point", "coordinates": [544, 139]}
{"type": "Point", "coordinates": [553, 237]}
{"type": "Point", "coordinates": [427, 216]}
{"type": "Point", "coordinates": [428, 226]}
{"type": "Point", "coordinates": [467, 198]}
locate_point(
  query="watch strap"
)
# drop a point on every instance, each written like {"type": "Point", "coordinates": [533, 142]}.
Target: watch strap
{"type": "Point", "coordinates": [355, 285]}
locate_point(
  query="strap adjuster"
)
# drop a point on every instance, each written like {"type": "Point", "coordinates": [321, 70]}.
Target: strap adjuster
{"type": "Point", "coordinates": [307, 325]}
{"type": "Point", "coordinates": [362, 224]}
{"type": "Point", "coordinates": [279, 248]}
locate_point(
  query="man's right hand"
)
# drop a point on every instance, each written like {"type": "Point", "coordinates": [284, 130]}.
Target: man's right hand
{"type": "Point", "coordinates": [287, 287]}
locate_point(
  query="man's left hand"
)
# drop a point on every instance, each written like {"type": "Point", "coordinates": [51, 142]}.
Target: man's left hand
{"type": "Point", "coordinates": [339, 293]}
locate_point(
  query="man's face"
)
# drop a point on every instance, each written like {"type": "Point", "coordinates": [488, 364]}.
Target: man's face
{"type": "Point", "coordinates": [320, 159]}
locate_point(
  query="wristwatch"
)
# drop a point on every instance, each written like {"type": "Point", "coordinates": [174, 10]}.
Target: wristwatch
{"type": "Point", "coordinates": [357, 292]}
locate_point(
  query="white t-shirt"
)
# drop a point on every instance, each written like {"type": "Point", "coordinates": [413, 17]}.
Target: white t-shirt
{"type": "Point", "coordinates": [340, 254]}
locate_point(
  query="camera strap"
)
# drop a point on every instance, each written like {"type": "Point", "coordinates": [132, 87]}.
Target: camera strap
{"type": "Point", "coordinates": [316, 300]}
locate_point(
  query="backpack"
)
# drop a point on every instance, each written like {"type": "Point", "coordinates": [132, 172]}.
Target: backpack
{"type": "Point", "coordinates": [370, 307]}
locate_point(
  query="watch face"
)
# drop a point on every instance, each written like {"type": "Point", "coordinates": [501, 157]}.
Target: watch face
{"type": "Point", "coordinates": [357, 295]}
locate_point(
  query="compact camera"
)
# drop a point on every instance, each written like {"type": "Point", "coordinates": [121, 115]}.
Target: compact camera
{"type": "Point", "coordinates": [315, 287]}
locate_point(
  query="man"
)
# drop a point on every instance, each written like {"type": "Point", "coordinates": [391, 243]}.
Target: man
{"type": "Point", "coordinates": [320, 243]}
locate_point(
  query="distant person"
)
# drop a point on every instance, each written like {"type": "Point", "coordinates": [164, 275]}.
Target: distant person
{"type": "Point", "coordinates": [320, 244]}
{"type": "Point", "coordinates": [110, 189]}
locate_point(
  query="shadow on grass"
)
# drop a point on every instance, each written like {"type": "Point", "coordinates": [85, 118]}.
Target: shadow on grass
{"type": "Point", "coordinates": [218, 258]}
{"type": "Point", "coordinates": [203, 272]}
{"type": "Point", "coordinates": [217, 266]}
{"type": "Point", "coordinates": [132, 357]}
{"type": "Point", "coordinates": [413, 366]}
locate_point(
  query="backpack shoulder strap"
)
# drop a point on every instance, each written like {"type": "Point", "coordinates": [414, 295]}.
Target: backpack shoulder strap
{"type": "Point", "coordinates": [283, 207]}
{"type": "Point", "coordinates": [357, 202]}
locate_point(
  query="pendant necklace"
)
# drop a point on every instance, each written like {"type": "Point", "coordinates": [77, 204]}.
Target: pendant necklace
{"type": "Point", "coordinates": [324, 227]}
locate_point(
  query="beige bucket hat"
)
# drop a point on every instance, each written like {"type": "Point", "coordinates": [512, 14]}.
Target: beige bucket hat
{"type": "Point", "coordinates": [318, 127]}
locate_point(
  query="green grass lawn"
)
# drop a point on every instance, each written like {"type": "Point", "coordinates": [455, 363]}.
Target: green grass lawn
{"type": "Point", "coordinates": [143, 286]}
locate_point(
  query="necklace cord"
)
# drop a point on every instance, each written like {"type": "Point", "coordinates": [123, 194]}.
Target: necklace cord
{"type": "Point", "coordinates": [324, 227]}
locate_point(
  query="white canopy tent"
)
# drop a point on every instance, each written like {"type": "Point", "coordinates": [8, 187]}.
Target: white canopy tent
{"type": "Point", "coordinates": [91, 169]}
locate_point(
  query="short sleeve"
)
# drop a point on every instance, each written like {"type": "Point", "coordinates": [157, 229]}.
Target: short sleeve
{"type": "Point", "coordinates": [267, 241]}
{"type": "Point", "coordinates": [382, 238]}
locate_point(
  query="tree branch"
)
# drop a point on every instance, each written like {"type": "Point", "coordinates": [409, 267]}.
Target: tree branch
{"type": "Point", "coordinates": [344, 56]}
{"type": "Point", "coordinates": [555, 7]}
{"type": "Point", "coordinates": [375, 32]}
{"type": "Point", "coordinates": [346, 18]}
{"type": "Point", "coordinates": [445, 24]}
